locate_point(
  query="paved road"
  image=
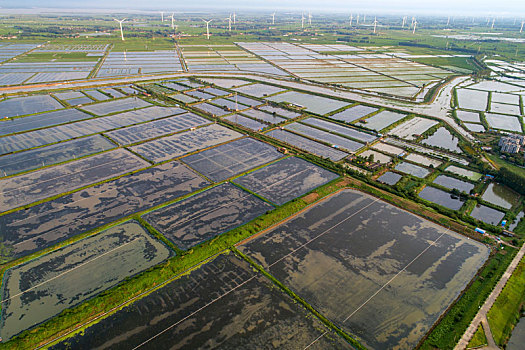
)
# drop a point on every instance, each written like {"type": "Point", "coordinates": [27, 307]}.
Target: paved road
{"type": "Point", "coordinates": [482, 313]}
{"type": "Point", "coordinates": [439, 108]}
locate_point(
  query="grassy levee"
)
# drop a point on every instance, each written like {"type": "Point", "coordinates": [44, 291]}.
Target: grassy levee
{"type": "Point", "coordinates": [111, 300]}
{"type": "Point", "coordinates": [450, 327]}
{"type": "Point", "coordinates": [303, 302]}
{"type": "Point", "coordinates": [505, 313]}
{"type": "Point", "coordinates": [478, 339]}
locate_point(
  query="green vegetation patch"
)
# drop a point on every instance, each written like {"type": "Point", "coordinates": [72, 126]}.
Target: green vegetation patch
{"type": "Point", "coordinates": [505, 312]}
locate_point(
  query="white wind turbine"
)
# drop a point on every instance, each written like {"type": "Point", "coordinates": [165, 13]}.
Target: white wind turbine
{"type": "Point", "coordinates": [229, 23]}
{"type": "Point", "coordinates": [404, 22]}
{"type": "Point", "coordinates": [207, 28]}
{"type": "Point", "coordinates": [357, 21]}
{"type": "Point", "coordinates": [172, 21]}
{"type": "Point", "coordinates": [234, 18]}
{"type": "Point", "coordinates": [521, 29]}
{"type": "Point", "coordinates": [302, 20]}
{"type": "Point", "coordinates": [309, 18]}
{"type": "Point", "coordinates": [448, 21]}
{"type": "Point", "coordinates": [162, 16]}
{"type": "Point", "coordinates": [415, 25]}
{"type": "Point", "coordinates": [273, 18]}
{"type": "Point", "coordinates": [492, 26]}
{"type": "Point", "coordinates": [364, 19]}
{"type": "Point", "coordinates": [120, 23]}
{"type": "Point", "coordinates": [375, 24]}
{"type": "Point", "coordinates": [351, 18]}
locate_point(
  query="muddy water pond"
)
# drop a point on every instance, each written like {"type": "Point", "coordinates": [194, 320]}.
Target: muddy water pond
{"type": "Point", "coordinates": [380, 273]}
{"type": "Point", "coordinates": [222, 304]}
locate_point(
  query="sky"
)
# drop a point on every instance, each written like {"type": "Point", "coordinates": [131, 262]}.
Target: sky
{"type": "Point", "coordinates": [466, 7]}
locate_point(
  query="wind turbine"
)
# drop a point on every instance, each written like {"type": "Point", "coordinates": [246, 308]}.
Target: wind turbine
{"type": "Point", "coordinates": [120, 22]}
{"type": "Point", "coordinates": [364, 18]}
{"type": "Point", "coordinates": [375, 24]}
{"type": "Point", "coordinates": [234, 18]}
{"type": "Point", "coordinates": [302, 20]}
{"type": "Point", "coordinates": [404, 22]}
{"type": "Point", "coordinates": [357, 21]}
{"type": "Point", "coordinates": [273, 18]}
{"type": "Point", "coordinates": [229, 23]}
{"type": "Point", "coordinates": [521, 29]}
{"type": "Point", "coordinates": [208, 28]}
{"type": "Point", "coordinates": [351, 18]}
{"type": "Point", "coordinates": [172, 23]}
{"type": "Point", "coordinates": [415, 25]}
{"type": "Point", "coordinates": [162, 16]}
{"type": "Point", "coordinates": [309, 18]}
{"type": "Point", "coordinates": [448, 21]}
{"type": "Point", "coordinates": [493, 20]}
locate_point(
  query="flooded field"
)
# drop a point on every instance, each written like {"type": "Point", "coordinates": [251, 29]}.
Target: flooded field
{"type": "Point", "coordinates": [339, 129]}
{"type": "Point", "coordinates": [444, 139]}
{"type": "Point", "coordinates": [500, 195]}
{"type": "Point", "coordinates": [389, 178]}
{"type": "Point", "coordinates": [472, 99]}
{"type": "Point", "coordinates": [41, 120]}
{"type": "Point", "coordinates": [487, 214]}
{"type": "Point", "coordinates": [451, 183]}
{"type": "Point", "coordinates": [440, 197]}
{"type": "Point", "coordinates": [381, 120]}
{"type": "Point", "coordinates": [54, 221]}
{"type": "Point", "coordinates": [211, 109]}
{"type": "Point", "coordinates": [426, 161]}
{"type": "Point", "coordinates": [42, 288]}
{"type": "Point", "coordinates": [206, 215]}
{"type": "Point", "coordinates": [156, 128]}
{"type": "Point", "coordinates": [259, 90]}
{"type": "Point", "coordinates": [307, 145]}
{"type": "Point", "coordinates": [385, 147]}
{"type": "Point", "coordinates": [377, 271]}
{"type": "Point", "coordinates": [18, 106]}
{"type": "Point", "coordinates": [324, 136]}
{"type": "Point", "coordinates": [474, 127]}
{"type": "Point", "coordinates": [24, 161]}
{"type": "Point", "coordinates": [286, 179]}
{"type": "Point", "coordinates": [312, 103]}
{"type": "Point", "coordinates": [177, 145]}
{"type": "Point", "coordinates": [504, 122]}
{"type": "Point", "coordinates": [232, 158]}
{"type": "Point", "coordinates": [409, 168]}
{"type": "Point", "coordinates": [104, 108]}
{"type": "Point", "coordinates": [249, 123]}
{"type": "Point", "coordinates": [467, 116]}
{"type": "Point", "coordinates": [32, 187]}
{"type": "Point", "coordinates": [222, 304]}
{"type": "Point", "coordinates": [280, 111]}
{"type": "Point", "coordinates": [353, 113]}
{"type": "Point", "coordinates": [263, 116]}
{"type": "Point", "coordinates": [412, 128]}
{"type": "Point", "coordinates": [82, 128]}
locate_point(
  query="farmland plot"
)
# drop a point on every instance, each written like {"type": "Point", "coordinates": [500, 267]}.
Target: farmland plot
{"type": "Point", "coordinates": [323, 136]}
{"type": "Point", "coordinates": [18, 106]}
{"type": "Point", "coordinates": [41, 120]}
